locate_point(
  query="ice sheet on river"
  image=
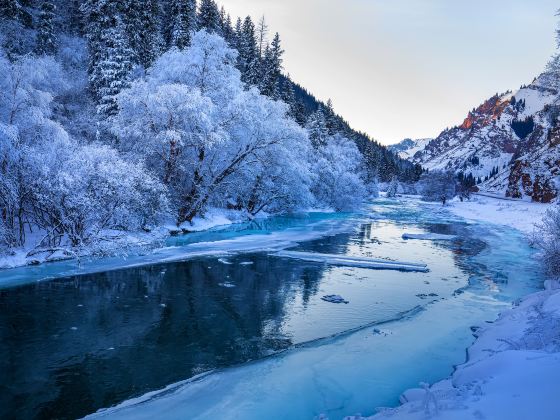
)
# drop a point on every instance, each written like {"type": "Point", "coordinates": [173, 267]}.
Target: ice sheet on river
{"type": "Point", "coordinates": [361, 262]}
{"type": "Point", "coordinates": [428, 236]}
{"type": "Point", "coordinates": [268, 241]}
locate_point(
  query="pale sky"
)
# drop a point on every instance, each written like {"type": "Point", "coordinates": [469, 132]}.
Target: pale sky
{"type": "Point", "coordinates": [408, 68]}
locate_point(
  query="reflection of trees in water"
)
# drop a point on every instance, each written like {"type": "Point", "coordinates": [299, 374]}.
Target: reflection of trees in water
{"type": "Point", "coordinates": [164, 323]}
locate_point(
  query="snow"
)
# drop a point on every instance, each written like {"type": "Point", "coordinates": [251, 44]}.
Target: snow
{"type": "Point", "coordinates": [512, 371]}
{"type": "Point", "coordinates": [362, 262]}
{"type": "Point", "coordinates": [408, 148]}
{"type": "Point", "coordinates": [212, 218]}
{"type": "Point", "coordinates": [518, 214]}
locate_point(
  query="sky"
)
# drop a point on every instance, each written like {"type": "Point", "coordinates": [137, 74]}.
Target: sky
{"type": "Point", "coordinates": [401, 69]}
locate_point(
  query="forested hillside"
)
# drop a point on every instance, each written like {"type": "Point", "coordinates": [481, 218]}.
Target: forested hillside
{"type": "Point", "coordinates": [118, 116]}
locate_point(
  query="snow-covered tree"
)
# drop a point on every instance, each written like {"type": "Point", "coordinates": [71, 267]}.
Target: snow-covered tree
{"type": "Point", "coordinates": [183, 22]}
{"type": "Point", "coordinates": [271, 69]}
{"type": "Point", "coordinates": [196, 126]}
{"type": "Point", "coordinates": [317, 128]}
{"type": "Point", "coordinates": [143, 27]}
{"type": "Point", "coordinates": [95, 191]}
{"type": "Point", "coordinates": [438, 186]}
{"type": "Point", "coordinates": [393, 188]}
{"type": "Point", "coordinates": [337, 170]}
{"type": "Point", "coordinates": [46, 34]}
{"type": "Point", "coordinates": [547, 239]}
{"type": "Point", "coordinates": [248, 59]}
{"type": "Point", "coordinates": [112, 72]}
{"type": "Point", "coordinates": [209, 16]}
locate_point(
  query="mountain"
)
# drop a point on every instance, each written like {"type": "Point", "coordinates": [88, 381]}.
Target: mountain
{"type": "Point", "coordinates": [510, 144]}
{"type": "Point", "coordinates": [407, 148]}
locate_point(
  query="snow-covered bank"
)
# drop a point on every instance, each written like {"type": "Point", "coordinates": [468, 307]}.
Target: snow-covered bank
{"type": "Point", "coordinates": [120, 243]}
{"type": "Point", "coordinates": [521, 215]}
{"type": "Point", "coordinates": [512, 371]}
{"type": "Point", "coordinates": [275, 234]}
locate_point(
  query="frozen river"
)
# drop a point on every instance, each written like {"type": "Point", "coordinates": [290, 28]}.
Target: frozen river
{"type": "Point", "coordinates": [235, 331]}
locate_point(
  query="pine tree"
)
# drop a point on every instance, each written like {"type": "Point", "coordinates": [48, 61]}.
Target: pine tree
{"type": "Point", "coordinates": [296, 109]}
{"type": "Point", "coordinates": [73, 24]}
{"type": "Point", "coordinates": [209, 16]}
{"type": "Point", "coordinates": [274, 66]}
{"type": "Point", "coordinates": [141, 18]}
{"type": "Point", "coordinates": [248, 61]}
{"type": "Point", "coordinates": [99, 17]}
{"type": "Point", "coordinates": [46, 37]}
{"type": "Point", "coordinates": [10, 9]}
{"type": "Point", "coordinates": [271, 69]}
{"type": "Point", "coordinates": [183, 23]}
{"type": "Point", "coordinates": [317, 128]}
{"type": "Point", "coordinates": [333, 121]}
{"type": "Point", "coordinates": [114, 68]}
{"type": "Point", "coordinates": [228, 32]}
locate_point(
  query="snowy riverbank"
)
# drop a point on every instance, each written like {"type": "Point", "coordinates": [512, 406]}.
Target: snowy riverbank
{"type": "Point", "coordinates": [120, 243]}
{"type": "Point", "coordinates": [512, 371]}
{"type": "Point", "coordinates": [518, 214]}
{"type": "Point", "coordinates": [513, 368]}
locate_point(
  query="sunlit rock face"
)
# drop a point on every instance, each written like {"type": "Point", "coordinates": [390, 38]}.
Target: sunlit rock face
{"type": "Point", "coordinates": [537, 172]}
{"type": "Point", "coordinates": [510, 144]}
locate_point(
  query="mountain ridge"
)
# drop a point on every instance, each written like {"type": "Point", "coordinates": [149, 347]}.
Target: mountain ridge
{"type": "Point", "coordinates": [509, 145]}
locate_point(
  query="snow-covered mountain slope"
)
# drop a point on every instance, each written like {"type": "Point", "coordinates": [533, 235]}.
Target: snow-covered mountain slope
{"type": "Point", "coordinates": [407, 148]}
{"type": "Point", "coordinates": [510, 144]}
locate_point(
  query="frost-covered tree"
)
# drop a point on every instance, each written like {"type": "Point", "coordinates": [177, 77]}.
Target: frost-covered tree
{"type": "Point", "coordinates": [112, 73]}
{"type": "Point", "coordinates": [143, 27]}
{"type": "Point", "coordinates": [46, 34]}
{"type": "Point", "coordinates": [547, 239]}
{"type": "Point", "coordinates": [209, 16]}
{"type": "Point", "coordinates": [393, 188]}
{"type": "Point", "coordinates": [95, 191]}
{"type": "Point", "coordinates": [248, 59]}
{"type": "Point", "coordinates": [271, 69]}
{"type": "Point", "coordinates": [438, 186]}
{"type": "Point", "coordinates": [196, 126]}
{"type": "Point", "coordinates": [29, 138]}
{"type": "Point", "coordinates": [317, 128]}
{"type": "Point", "coordinates": [337, 170]}
{"type": "Point", "coordinates": [183, 22]}
{"type": "Point", "coordinates": [49, 183]}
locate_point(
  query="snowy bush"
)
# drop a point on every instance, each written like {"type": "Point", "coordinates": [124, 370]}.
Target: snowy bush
{"type": "Point", "coordinates": [547, 239]}
{"type": "Point", "coordinates": [336, 168]}
{"type": "Point", "coordinates": [437, 186]}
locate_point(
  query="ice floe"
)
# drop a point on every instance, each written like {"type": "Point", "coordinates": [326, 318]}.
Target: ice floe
{"type": "Point", "coordinates": [334, 299]}
{"type": "Point", "coordinates": [360, 262]}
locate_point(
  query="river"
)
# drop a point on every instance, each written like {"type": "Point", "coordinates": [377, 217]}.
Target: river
{"type": "Point", "coordinates": [235, 331]}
